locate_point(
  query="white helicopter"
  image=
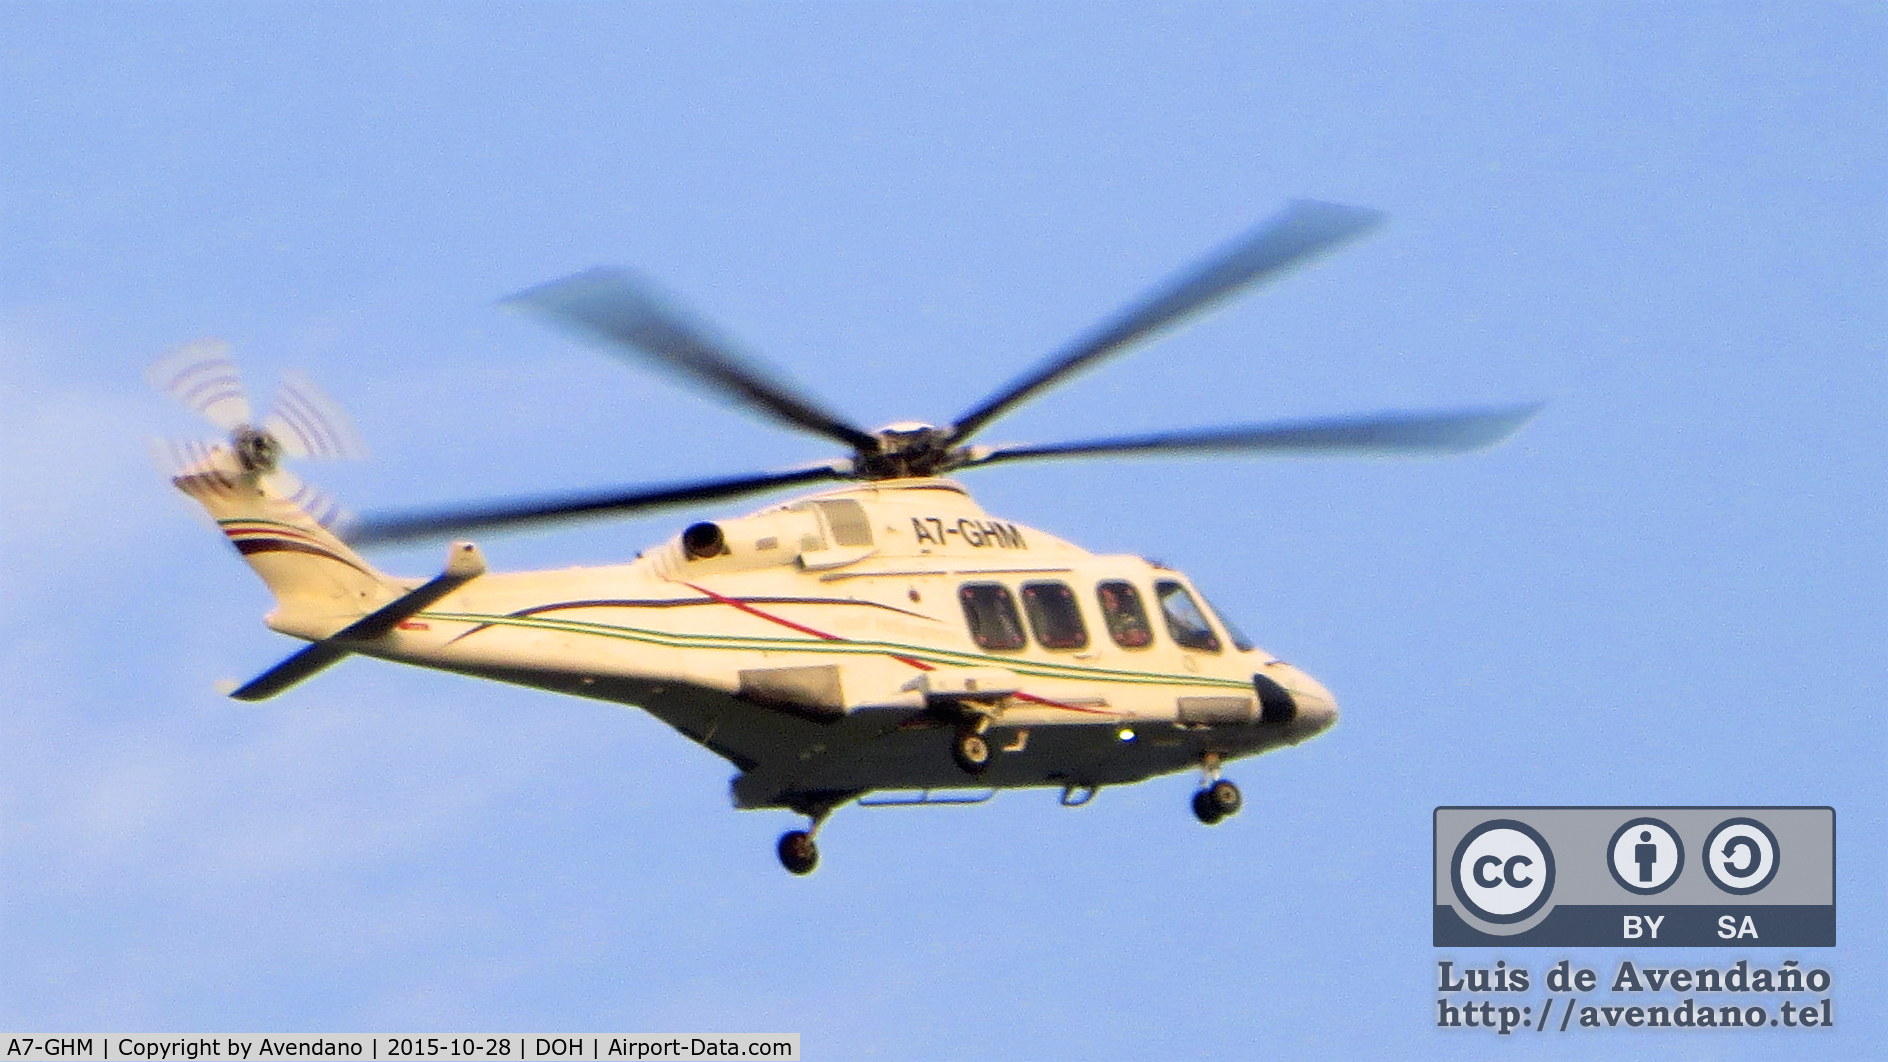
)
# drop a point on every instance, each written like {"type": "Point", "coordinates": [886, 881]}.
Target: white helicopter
{"type": "Point", "coordinates": [887, 641]}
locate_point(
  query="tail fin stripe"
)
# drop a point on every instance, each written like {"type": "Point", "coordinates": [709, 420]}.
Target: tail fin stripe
{"type": "Point", "coordinates": [250, 522]}
{"type": "Point", "coordinates": [248, 546]}
{"type": "Point", "coordinates": [251, 527]}
{"type": "Point", "coordinates": [271, 532]}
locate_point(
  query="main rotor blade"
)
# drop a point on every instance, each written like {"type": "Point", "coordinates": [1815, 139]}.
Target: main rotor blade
{"type": "Point", "coordinates": [627, 315]}
{"type": "Point", "coordinates": [504, 515]}
{"type": "Point", "coordinates": [1305, 230]}
{"type": "Point", "coordinates": [1454, 431]}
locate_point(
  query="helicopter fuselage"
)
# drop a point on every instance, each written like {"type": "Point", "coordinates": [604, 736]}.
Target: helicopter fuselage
{"type": "Point", "coordinates": [831, 646]}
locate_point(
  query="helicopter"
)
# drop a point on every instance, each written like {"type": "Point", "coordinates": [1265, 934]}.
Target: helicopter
{"type": "Point", "coordinates": [885, 641]}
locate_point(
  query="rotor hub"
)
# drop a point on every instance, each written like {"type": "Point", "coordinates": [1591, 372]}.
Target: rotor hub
{"type": "Point", "coordinates": [256, 450]}
{"type": "Point", "coordinates": [905, 449]}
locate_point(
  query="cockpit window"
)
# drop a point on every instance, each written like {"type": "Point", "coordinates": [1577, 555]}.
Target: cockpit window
{"type": "Point", "coordinates": [991, 612]}
{"type": "Point", "coordinates": [1239, 639]}
{"type": "Point", "coordinates": [1126, 619]}
{"type": "Point", "coordinates": [1054, 616]}
{"type": "Point", "coordinates": [1185, 621]}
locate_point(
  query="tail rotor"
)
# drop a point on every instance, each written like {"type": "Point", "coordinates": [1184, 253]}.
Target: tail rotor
{"type": "Point", "coordinates": [304, 423]}
{"type": "Point", "coordinates": [309, 425]}
{"type": "Point", "coordinates": [203, 379]}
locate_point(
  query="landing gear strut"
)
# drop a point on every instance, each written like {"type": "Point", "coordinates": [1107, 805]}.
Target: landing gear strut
{"type": "Point", "coordinates": [970, 748]}
{"type": "Point", "coordinates": [1216, 798]}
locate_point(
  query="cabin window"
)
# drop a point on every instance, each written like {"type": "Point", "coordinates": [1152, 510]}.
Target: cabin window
{"type": "Point", "coordinates": [1126, 618]}
{"type": "Point", "coordinates": [1185, 621]}
{"type": "Point", "coordinates": [1054, 616]}
{"type": "Point", "coordinates": [991, 611]}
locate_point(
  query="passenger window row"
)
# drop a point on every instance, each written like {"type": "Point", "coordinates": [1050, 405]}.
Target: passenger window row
{"type": "Point", "coordinates": [1055, 617]}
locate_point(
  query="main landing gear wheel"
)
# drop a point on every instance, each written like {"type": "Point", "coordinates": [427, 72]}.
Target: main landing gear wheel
{"type": "Point", "coordinates": [797, 851]}
{"type": "Point", "coordinates": [971, 750]}
{"type": "Point", "coordinates": [1217, 801]}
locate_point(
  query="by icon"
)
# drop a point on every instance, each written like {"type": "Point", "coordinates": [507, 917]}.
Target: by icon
{"type": "Point", "coordinates": [1645, 856]}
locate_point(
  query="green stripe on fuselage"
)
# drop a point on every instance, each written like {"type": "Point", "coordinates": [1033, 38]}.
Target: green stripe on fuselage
{"type": "Point", "coordinates": [944, 657]}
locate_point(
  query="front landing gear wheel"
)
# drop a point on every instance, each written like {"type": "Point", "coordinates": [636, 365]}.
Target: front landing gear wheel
{"type": "Point", "coordinates": [1203, 808]}
{"type": "Point", "coordinates": [797, 851]}
{"type": "Point", "coordinates": [1216, 802]}
{"type": "Point", "coordinates": [971, 750]}
{"type": "Point", "coordinates": [1225, 798]}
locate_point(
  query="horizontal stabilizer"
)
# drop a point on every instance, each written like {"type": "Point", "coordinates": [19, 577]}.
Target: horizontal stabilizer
{"type": "Point", "coordinates": [464, 563]}
{"type": "Point", "coordinates": [305, 663]}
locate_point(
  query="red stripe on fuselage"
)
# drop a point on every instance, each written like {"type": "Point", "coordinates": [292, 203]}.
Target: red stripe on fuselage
{"type": "Point", "coordinates": [921, 665]}
{"type": "Point", "coordinates": [735, 602]}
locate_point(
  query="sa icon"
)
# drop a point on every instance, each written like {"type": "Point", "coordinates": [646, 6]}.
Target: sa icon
{"type": "Point", "coordinates": [1502, 871]}
{"type": "Point", "coordinates": [1741, 856]}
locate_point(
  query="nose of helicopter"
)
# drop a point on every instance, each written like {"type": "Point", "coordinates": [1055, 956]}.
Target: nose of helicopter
{"type": "Point", "coordinates": [1317, 708]}
{"type": "Point", "coordinates": [1303, 704]}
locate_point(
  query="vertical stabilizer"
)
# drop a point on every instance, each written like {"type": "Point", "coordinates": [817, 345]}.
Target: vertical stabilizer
{"type": "Point", "coordinates": [320, 585]}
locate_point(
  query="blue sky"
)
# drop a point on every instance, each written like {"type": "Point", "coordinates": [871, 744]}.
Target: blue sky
{"type": "Point", "coordinates": [1665, 219]}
